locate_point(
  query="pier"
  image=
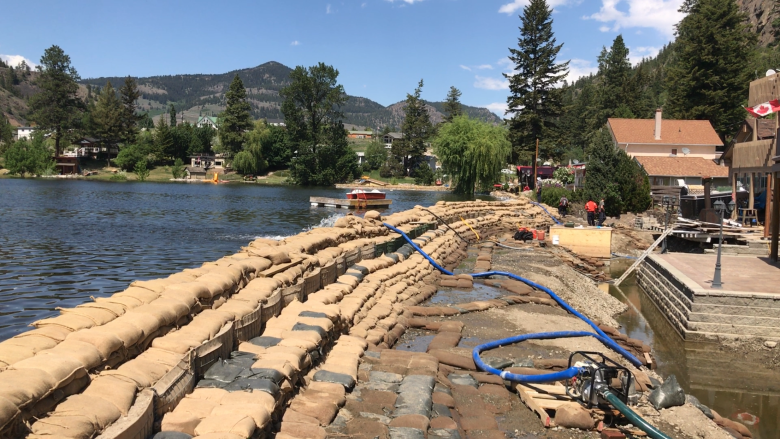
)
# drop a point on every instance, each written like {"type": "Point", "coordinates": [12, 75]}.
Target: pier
{"type": "Point", "coordinates": [349, 204]}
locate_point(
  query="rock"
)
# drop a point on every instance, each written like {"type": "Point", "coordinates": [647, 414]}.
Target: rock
{"type": "Point", "coordinates": [573, 415]}
{"type": "Point", "coordinates": [770, 344]}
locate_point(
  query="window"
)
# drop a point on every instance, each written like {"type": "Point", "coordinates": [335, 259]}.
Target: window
{"type": "Point", "coordinates": [674, 151]}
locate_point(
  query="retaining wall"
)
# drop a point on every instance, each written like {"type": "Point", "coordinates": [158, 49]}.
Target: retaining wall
{"type": "Point", "coordinates": [699, 314]}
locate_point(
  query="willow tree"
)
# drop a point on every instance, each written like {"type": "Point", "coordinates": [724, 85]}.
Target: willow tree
{"type": "Point", "coordinates": [473, 152]}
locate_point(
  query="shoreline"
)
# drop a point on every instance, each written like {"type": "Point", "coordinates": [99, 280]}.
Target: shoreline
{"type": "Point", "coordinates": [395, 187]}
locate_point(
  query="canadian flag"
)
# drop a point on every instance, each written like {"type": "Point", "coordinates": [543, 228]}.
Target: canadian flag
{"type": "Point", "coordinates": [764, 109]}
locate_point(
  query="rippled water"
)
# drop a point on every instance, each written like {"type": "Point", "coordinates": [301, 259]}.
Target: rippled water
{"type": "Point", "coordinates": [64, 241]}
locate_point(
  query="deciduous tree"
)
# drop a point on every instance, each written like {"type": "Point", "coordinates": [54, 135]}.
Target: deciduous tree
{"type": "Point", "coordinates": [535, 99]}
{"type": "Point", "coordinates": [376, 155]}
{"type": "Point", "coordinates": [28, 157]}
{"type": "Point", "coordinates": [312, 113]}
{"type": "Point", "coordinates": [57, 106]}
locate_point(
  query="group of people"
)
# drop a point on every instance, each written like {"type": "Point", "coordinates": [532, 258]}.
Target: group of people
{"type": "Point", "coordinates": [596, 213]}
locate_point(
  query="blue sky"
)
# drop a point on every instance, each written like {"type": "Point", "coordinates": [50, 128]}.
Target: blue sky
{"type": "Point", "coordinates": [382, 48]}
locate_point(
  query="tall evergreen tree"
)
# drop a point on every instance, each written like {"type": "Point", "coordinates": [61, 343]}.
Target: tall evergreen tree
{"type": "Point", "coordinates": [172, 115]}
{"type": "Point", "coordinates": [535, 99]}
{"type": "Point", "coordinates": [129, 95]}
{"type": "Point", "coordinates": [452, 107]}
{"type": "Point", "coordinates": [416, 128]}
{"type": "Point", "coordinates": [107, 117]}
{"type": "Point", "coordinates": [57, 106]}
{"type": "Point", "coordinates": [163, 140]}
{"type": "Point", "coordinates": [709, 77]}
{"type": "Point", "coordinates": [6, 134]}
{"type": "Point", "coordinates": [235, 120]}
{"type": "Point", "coordinates": [615, 90]}
{"type": "Point", "coordinates": [602, 163]}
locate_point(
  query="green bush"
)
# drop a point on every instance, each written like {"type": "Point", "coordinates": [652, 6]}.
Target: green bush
{"type": "Point", "coordinates": [423, 175]}
{"type": "Point", "coordinates": [564, 175]}
{"type": "Point", "coordinates": [141, 171]}
{"type": "Point", "coordinates": [25, 157]}
{"type": "Point", "coordinates": [552, 196]}
{"type": "Point", "coordinates": [119, 176]}
{"type": "Point", "coordinates": [177, 170]}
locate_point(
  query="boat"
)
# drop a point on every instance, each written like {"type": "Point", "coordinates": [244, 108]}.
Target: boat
{"type": "Point", "coordinates": [359, 194]}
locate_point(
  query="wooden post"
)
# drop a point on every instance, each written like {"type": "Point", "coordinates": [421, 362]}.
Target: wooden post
{"type": "Point", "coordinates": [536, 161]}
{"type": "Point", "coordinates": [752, 191]}
{"type": "Point", "coordinates": [734, 194]}
{"type": "Point", "coordinates": [767, 204]}
{"type": "Point", "coordinates": [775, 219]}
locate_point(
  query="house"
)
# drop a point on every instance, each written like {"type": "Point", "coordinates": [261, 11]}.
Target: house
{"type": "Point", "coordinates": [210, 121]}
{"type": "Point", "coordinates": [276, 122]}
{"type": "Point", "coordinates": [391, 138]}
{"type": "Point", "coordinates": [200, 164]}
{"type": "Point", "coordinates": [94, 148]}
{"type": "Point", "coordinates": [671, 150]}
{"type": "Point", "coordinates": [24, 133]}
{"type": "Point", "coordinates": [360, 134]}
{"type": "Point", "coordinates": [67, 165]}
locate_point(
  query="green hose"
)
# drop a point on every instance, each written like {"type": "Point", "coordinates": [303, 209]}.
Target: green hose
{"type": "Point", "coordinates": [633, 417]}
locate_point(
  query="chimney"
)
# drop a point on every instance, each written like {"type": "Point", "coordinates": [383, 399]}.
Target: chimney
{"type": "Point", "coordinates": [658, 124]}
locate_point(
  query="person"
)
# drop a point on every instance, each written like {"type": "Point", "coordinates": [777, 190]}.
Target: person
{"type": "Point", "coordinates": [602, 212]}
{"type": "Point", "coordinates": [539, 191]}
{"type": "Point", "coordinates": [563, 206]}
{"type": "Point", "coordinates": [591, 207]}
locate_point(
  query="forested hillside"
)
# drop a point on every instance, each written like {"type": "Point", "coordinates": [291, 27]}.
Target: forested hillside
{"type": "Point", "coordinates": [204, 94]}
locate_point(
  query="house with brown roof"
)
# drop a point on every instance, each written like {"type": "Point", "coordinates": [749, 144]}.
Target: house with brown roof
{"type": "Point", "coordinates": [672, 152]}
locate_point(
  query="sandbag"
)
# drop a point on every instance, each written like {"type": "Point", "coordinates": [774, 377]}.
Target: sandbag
{"type": "Point", "coordinates": [156, 285]}
{"type": "Point", "coordinates": [85, 353]}
{"type": "Point", "coordinates": [200, 408]}
{"type": "Point", "coordinates": [143, 295]}
{"type": "Point", "coordinates": [64, 426]}
{"type": "Point", "coordinates": [96, 409]}
{"type": "Point", "coordinates": [216, 283]}
{"type": "Point", "coordinates": [23, 386]}
{"type": "Point", "coordinates": [180, 421]}
{"type": "Point", "coordinates": [171, 435]}
{"type": "Point", "coordinates": [273, 254]}
{"type": "Point", "coordinates": [120, 393]}
{"type": "Point", "coordinates": [71, 322]}
{"type": "Point", "coordinates": [169, 359]}
{"type": "Point", "coordinates": [669, 394]}
{"type": "Point", "coordinates": [125, 331]}
{"type": "Point", "coordinates": [115, 308]}
{"type": "Point", "coordinates": [62, 369]}
{"type": "Point", "coordinates": [126, 302]}
{"type": "Point", "coordinates": [235, 423]}
{"type": "Point", "coordinates": [8, 412]}
{"type": "Point", "coordinates": [192, 289]}
{"type": "Point", "coordinates": [257, 412]}
{"type": "Point", "coordinates": [97, 315]}
{"type": "Point", "coordinates": [208, 394]}
{"type": "Point", "coordinates": [56, 333]}
{"type": "Point", "coordinates": [106, 343]}
{"type": "Point", "coordinates": [264, 399]}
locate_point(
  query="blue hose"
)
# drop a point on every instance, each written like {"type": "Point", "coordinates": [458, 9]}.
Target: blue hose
{"type": "Point", "coordinates": [548, 213]}
{"type": "Point", "coordinates": [601, 335]}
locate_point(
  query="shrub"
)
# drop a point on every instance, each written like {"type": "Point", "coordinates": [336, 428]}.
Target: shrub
{"type": "Point", "coordinates": [551, 196]}
{"type": "Point", "coordinates": [423, 175]}
{"type": "Point", "coordinates": [119, 176]}
{"type": "Point", "coordinates": [564, 175]}
{"type": "Point", "coordinates": [25, 157]}
{"type": "Point", "coordinates": [141, 171]}
{"type": "Point", "coordinates": [177, 170]}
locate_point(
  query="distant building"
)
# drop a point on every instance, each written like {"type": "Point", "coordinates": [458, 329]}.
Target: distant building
{"type": "Point", "coordinates": [24, 133]}
{"type": "Point", "coordinates": [275, 122]}
{"type": "Point", "coordinates": [211, 121]}
{"type": "Point", "coordinates": [391, 138]}
{"type": "Point", "coordinates": [201, 164]}
{"type": "Point", "coordinates": [671, 150]}
{"type": "Point", "coordinates": [360, 135]}
{"type": "Point", "coordinates": [93, 148]}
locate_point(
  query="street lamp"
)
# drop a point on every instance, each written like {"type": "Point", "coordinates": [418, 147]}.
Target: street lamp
{"type": "Point", "coordinates": [721, 208]}
{"type": "Point", "coordinates": [668, 203]}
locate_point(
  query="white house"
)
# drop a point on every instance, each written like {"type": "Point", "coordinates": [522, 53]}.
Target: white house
{"type": "Point", "coordinates": [211, 121]}
{"type": "Point", "coordinates": [24, 133]}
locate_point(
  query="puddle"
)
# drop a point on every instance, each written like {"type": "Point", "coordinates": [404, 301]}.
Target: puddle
{"type": "Point", "coordinates": [414, 341]}
{"type": "Point", "coordinates": [454, 295]}
{"type": "Point", "coordinates": [726, 383]}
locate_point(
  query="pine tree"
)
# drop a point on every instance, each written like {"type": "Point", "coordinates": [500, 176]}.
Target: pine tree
{"type": "Point", "coordinates": [416, 128]}
{"type": "Point", "coordinates": [172, 115]}
{"type": "Point", "coordinates": [163, 139]}
{"type": "Point", "coordinates": [615, 90]}
{"type": "Point", "coordinates": [57, 106]}
{"type": "Point", "coordinates": [709, 77]}
{"type": "Point", "coordinates": [600, 181]}
{"type": "Point", "coordinates": [6, 134]}
{"type": "Point", "coordinates": [535, 99]}
{"type": "Point", "coordinates": [235, 120]}
{"type": "Point", "coordinates": [107, 117]}
{"type": "Point", "coordinates": [452, 107]}
{"type": "Point", "coordinates": [129, 95]}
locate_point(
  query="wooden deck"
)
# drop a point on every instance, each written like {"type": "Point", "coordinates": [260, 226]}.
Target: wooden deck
{"type": "Point", "coordinates": [349, 204]}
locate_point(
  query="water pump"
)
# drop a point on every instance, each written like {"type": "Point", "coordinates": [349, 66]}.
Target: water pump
{"type": "Point", "coordinates": [599, 375]}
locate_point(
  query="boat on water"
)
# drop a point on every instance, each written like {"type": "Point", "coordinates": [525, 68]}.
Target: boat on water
{"type": "Point", "coordinates": [360, 194]}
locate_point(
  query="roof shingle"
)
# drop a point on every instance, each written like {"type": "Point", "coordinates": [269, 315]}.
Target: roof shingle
{"type": "Point", "coordinates": [681, 167]}
{"type": "Point", "coordinates": [673, 132]}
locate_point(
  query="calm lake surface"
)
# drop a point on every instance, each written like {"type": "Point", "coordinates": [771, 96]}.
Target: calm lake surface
{"type": "Point", "coordinates": [63, 241]}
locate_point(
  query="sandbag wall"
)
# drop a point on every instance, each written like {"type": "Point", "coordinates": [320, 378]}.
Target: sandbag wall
{"type": "Point", "coordinates": [101, 354]}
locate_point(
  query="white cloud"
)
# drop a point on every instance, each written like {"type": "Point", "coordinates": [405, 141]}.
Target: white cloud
{"type": "Point", "coordinates": [485, 67]}
{"type": "Point", "coordinates": [579, 68]}
{"type": "Point", "coordinates": [15, 60]}
{"type": "Point", "coordinates": [660, 15]}
{"type": "Point", "coordinates": [327, 9]}
{"type": "Point", "coordinates": [497, 107]}
{"type": "Point", "coordinates": [491, 83]}
{"type": "Point", "coordinates": [363, 5]}
{"type": "Point", "coordinates": [605, 28]}
{"type": "Point", "coordinates": [410, 2]}
{"type": "Point", "coordinates": [465, 67]}
{"type": "Point", "coordinates": [295, 43]}
{"type": "Point", "coordinates": [510, 8]}
{"type": "Point", "coordinates": [635, 55]}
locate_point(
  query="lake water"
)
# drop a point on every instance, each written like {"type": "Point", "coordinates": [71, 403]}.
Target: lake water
{"type": "Point", "coordinates": [62, 241]}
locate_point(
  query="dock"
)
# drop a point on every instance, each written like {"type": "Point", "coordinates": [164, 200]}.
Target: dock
{"type": "Point", "coordinates": [350, 204]}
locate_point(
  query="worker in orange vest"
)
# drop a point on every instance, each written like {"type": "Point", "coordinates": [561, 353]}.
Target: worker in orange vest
{"type": "Point", "coordinates": [591, 207]}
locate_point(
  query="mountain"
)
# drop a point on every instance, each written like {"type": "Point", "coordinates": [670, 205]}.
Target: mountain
{"type": "Point", "coordinates": [16, 86]}
{"type": "Point", "coordinates": [204, 94]}
{"type": "Point", "coordinates": [763, 17]}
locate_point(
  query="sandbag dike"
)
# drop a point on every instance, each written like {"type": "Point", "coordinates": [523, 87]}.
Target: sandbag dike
{"type": "Point", "coordinates": [105, 366]}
